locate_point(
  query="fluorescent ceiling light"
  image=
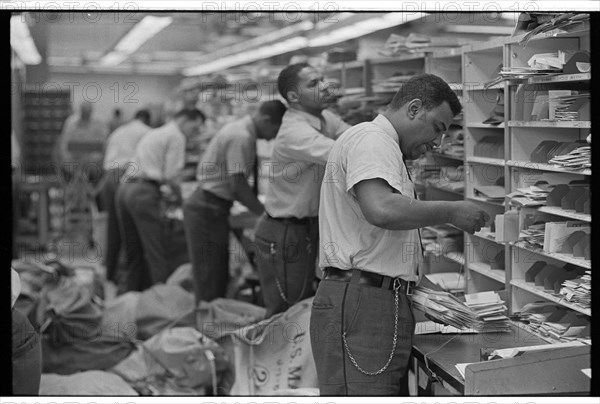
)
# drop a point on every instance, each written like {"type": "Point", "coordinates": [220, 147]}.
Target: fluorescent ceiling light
{"type": "Point", "coordinates": [362, 28]}
{"type": "Point", "coordinates": [148, 27]}
{"type": "Point", "coordinates": [479, 29]}
{"type": "Point", "coordinates": [250, 56]}
{"type": "Point", "coordinates": [22, 43]}
{"type": "Point", "coordinates": [241, 54]}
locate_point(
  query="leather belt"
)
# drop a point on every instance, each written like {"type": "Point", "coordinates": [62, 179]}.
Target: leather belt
{"type": "Point", "coordinates": [368, 278]}
{"type": "Point", "coordinates": [312, 220]}
{"type": "Point", "coordinates": [144, 180]}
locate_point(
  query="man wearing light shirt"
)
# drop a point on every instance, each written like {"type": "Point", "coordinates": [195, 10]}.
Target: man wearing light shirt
{"type": "Point", "coordinates": [118, 157]}
{"type": "Point", "coordinates": [287, 234]}
{"type": "Point", "coordinates": [361, 323]}
{"type": "Point", "coordinates": [222, 175]}
{"type": "Point", "coordinates": [159, 160]}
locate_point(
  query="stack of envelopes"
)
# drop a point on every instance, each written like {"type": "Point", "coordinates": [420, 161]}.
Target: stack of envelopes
{"type": "Point", "coordinates": [579, 158]}
{"type": "Point", "coordinates": [480, 311]}
{"type": "Point", "coordinates": [579, 290]}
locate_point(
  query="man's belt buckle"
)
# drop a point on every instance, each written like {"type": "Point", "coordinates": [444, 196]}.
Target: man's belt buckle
{"type": "Point", "coordinates": [409, 288]}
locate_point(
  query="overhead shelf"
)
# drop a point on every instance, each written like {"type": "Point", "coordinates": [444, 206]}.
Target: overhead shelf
{"type": "Point", "coordinates": [484, 125]}
{"type": "Point", "coordinates": [541, 293]}
{"type": "Point", "coordinates": [480, 199]}
{"type": "Point", "coordinates": [569, 259]}
{"type": "Point", "coordinates": [550, 124]}
{"type": "Point", "coordinates": [481, 87]}
{"type": "Point", "coordinates": [553, 210]}
{"type": "Point", "coordinates": [395, 59]}
{"type": "Point", "coordinates": [487, 236]}
{"type": "Point", "coordinates": [486, 160]}
{"type": "Point", "coordinates": [484, 269]}
{"type": "Point", "coordinates": [546, 167]}
{"type": "Point", "coordinates": [560, 78]}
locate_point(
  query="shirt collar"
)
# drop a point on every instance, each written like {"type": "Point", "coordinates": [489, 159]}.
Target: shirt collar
{"type": "Point", "coordinates": [387, 127]}
{"type": "Point", "coordinates": [312, 120]}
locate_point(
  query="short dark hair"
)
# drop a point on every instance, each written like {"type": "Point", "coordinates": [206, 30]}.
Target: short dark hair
{"type": "Point", "coordinates": [273, 109]}
{"type": "Point", "coordinates": [288, 78]}
{"type": "Point", "coordinates": [190, 114]}
{"type": "Point", "coordinates": [430, 89]}
{"type": "Point", "coordinates": [143, 115]}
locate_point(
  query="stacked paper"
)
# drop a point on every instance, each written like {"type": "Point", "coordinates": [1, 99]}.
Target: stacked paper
{"type": "Point", "coordinates": [520, 73]}
{"type": "Point", "coordinates": [570, 107]}
{"type": "Point", "coordinates": [533, 195]}
{"type": "Point", "coordinates": [490, 310]}
{"type": "Point", "coordinates": [563, 21]}
{"type": "Point", "coordinates": [452, 282]}
{"type": "Point", "coordinates": [481, 311]}
{"type": "Point", "coordinates": [533, 236]}
{"type": "Point", "coordinates": [398, 44]}
{"type": "Point", "coordinates": [555, 321]}
{"type": "Point", "coordinates": [490, 192]}
{"type": "Point", "coordinates": [579, 158]}
{"type": "Point", "coordinates": [579, 290]}
{"type": "Point", "coordinates": [554, 60]}
{"type": "Point", "coordinates": [444, 308]}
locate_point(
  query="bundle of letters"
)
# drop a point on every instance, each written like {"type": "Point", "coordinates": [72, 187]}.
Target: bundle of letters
{"type": "Point", "coordinates": [533, 236]}
{"type": "Point", "coordinates": [550, 61]}
{"type": "Point", "coordinates": [570, 107]}
{"type": "Point", "coordinates": [480, 311]}
{"type": "Point", "coordinates": [519, 73]}
{"type": "Point", "coordinates": [579, 158]}
{"type": "Point", "coordinates": [534, 195]}
{"type": "Point", "coordinates": [544, 22]}
{"type": "Point", "coordinates": [490, 310]}
{"type": "Point", "coordinates": [579, 290]}
{"type": "Point", "coordinates": [555, 322]}
{"type": "Point", "coordinates": [398, 44]}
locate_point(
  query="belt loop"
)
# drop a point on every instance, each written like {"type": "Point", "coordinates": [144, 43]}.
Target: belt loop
{"type": "Point", "coordinates": [355, 276]}
{"type": "Point", "coordinates": [386, 282]}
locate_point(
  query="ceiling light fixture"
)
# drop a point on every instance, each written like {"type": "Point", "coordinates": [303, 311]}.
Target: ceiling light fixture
{"type": "Point", "coordinates": [239, 54]}
{"type": "Point", "coordinates": [362, 28]}
{"type": "Point", "coordinates": [22, 43]}
{"type": "Point", "coordinates": [148, 27]}
{"type": "Point", "coordinates": [250, 56]}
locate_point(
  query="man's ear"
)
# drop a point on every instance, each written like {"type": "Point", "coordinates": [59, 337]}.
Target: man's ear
{"type": "Point", "coordinates": [293, 95]}
{"type": "Point", "coordinates": [414, 106]}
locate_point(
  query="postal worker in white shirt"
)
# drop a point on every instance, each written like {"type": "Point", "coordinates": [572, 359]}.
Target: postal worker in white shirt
{"type": "Point", "coordinates": [361, 324]}
{"type": "Point", "coordinates": [287, 234]}
{"type": "Point", "coordinates": [222, 175]}
{"type": "Point", "coordinates": [118, 157]}
{"type": "Point", "coordinates": [158, 162]}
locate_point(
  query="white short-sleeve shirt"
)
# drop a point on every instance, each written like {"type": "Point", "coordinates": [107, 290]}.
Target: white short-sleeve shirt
{"type": "Point", "coordinates": [231, 151]}
{"type": "Point", "coordinates": [160, 154]}
{"type": "Point", "coordinates": [300, 152]}
{"type": "Point", "coordinates": [347, 240]}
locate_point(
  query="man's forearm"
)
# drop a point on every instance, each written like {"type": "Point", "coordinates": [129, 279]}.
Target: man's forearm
{"type": "Point", "coordinates": [244, 194]}
{"type": "Point", "coordinates": [404, 213]}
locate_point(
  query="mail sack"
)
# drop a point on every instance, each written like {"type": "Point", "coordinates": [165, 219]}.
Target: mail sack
{"type": "Point", "coordinates": [181, 353]}
{"type": "Point", "coordinates": [273, 355]}
{"type": "Point", "coordinates": [221, 316]}
{"type": "Point", "coordinates": [68, 311]}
